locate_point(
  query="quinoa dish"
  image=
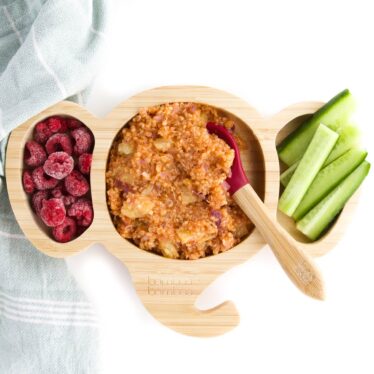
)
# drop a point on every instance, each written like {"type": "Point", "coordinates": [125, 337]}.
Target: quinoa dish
{"type": "Point", "coordinates": [166, 188]}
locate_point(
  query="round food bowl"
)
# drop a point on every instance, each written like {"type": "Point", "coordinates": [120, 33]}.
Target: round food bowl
{"type": "Point", "coordinates": [167, 287]}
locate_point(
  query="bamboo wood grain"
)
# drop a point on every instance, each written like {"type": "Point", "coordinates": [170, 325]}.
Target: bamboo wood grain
{"type": "Point", "coordinates": [298, 266]}
{"type": "Point", "coordinates": [169, 288]}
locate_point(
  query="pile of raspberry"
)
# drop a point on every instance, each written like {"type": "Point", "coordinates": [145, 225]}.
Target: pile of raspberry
{"type": "Point", "coordinates": [57, 163]}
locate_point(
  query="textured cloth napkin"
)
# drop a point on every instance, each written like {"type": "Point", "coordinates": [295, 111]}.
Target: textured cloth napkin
{"type": "Point", "coordinates": [48, 52]}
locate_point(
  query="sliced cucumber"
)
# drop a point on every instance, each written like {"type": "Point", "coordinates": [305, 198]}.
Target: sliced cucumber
{"type": "Point", "coordinates": [349, 138]}
{"type": "Point", "coordinates": [286, 176]}
{"type": "Point", "coordinates": [317, 152]}
{"type": "Point", "coordinates": [328, 178]}
{"type": "Point", "coordinates": [335, 114]}
{"type": "Point", "coordinates": [317, 220]}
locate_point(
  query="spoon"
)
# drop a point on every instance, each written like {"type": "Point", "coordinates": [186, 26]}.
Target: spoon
{"type": "Point", "coordinates": [298, 266]}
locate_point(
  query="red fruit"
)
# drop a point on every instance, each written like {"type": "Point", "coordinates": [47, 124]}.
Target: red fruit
{"type": "Point", "coordinates": [83, 140]}
{"type": "Point", "coordinates": [37, 200]}
{"type": "Point", "coordinates": [57, 124]}
{"type": "Point", "coordinates": [28, 183]}
{"type": "Point", "coordinates": [52, 212]}
{"type": "Point", "coordinates": [65, 231]}
{"type": "Point", "coordinates": [45, 129]}
{"type": "Point", "coordinates": [58, 165]}
{"type": "Point", "coordinates": [59, 142]}
{"type": "Point", "coordinates": [42, 180]}
{"type": "Point", "coordinates": [34, 154]}
{"type": "Point", "coordinates": [60, 193]}
{"type": "Point", "coordinates": [84, 163]}
{"type": "Point", "coordinates": [68, 200]}
{"type": "Point", "coordinates": [76, 184]}
{"type": "Point", "coordinates": [82, 211]}
{"type": "Point", "coordinates": [73, 123]}
{"type": "Point", "coordinates": [42, 132]}
{"type": "Point", "coordinates": [81, 230]}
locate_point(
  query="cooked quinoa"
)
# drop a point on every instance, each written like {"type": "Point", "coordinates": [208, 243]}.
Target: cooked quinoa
{"type": "Point", "coordinates": [166, 185]}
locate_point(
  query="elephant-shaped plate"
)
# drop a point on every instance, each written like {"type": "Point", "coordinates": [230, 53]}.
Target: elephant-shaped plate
{"type": "Point", "coordinates": [167, 287]}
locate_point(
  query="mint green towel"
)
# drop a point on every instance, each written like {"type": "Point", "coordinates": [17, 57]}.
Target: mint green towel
{"type": "Point", "coordinates": [48, 52]}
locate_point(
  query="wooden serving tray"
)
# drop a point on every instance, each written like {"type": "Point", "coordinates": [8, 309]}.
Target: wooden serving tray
{"type": "Point", "coordinates": [167, 287]}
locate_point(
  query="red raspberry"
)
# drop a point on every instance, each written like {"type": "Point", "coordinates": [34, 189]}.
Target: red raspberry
{"type": "Point", "coordinates": [57, 124]}
{"type": "Point", "coordinates": [28, 183]}
{"type": "Point", "coordinates": [58, 165]}
{"type": "Point", "coordinates": [34, 154]}
{"type": "Point", "coordinates": [59, 142]}
{"type": "Point", "coordinates": [76, 184]}
{"type": "Point", "coordinates": [42, 180]}
{"type": "Point", "coordinates": [84, 163]}
{"type": "Point", "coordinates": [45, 129]}
{"type": "Point", "coordinates": [37, 200]}
{"type": "Point", "coordinates": [82, 211]}
{"type": "Point", "coordinates": [81, 230]}
{"type": "Point", "coordinates": [83, 140]}
{"type": "Point", "coordinates": [60, 193]}
{"type": "Point", "coordinates": [68, 200]}
{"type": "Point", "coordinates": [42, 132]}
{"type": "Point", "coordinates": [52, 212]}
{"type": "Point", "coordinates": [73, 123]}
{"type": "Point", "coordinates": [65, 231]}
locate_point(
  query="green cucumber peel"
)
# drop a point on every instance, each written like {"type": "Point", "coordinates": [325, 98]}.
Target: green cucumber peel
{"type": "Point", "coordinates": [328, 178]}
{"type": "Point", "coordinates": [349, 138]}
{"type": "Point", "coordinates": [335, 114]}
{"type": "Point", "coordinates": [314, 157]}
{"type": "Point", "coordinates": [317, 220]}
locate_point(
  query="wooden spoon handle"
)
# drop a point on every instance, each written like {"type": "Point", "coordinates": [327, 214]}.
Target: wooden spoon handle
{"type": "Point", "coordinates": [299, 267]}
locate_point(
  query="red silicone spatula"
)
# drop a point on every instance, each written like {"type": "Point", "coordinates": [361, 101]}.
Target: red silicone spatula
{"type": "Point", "coordinates": [298, 266]}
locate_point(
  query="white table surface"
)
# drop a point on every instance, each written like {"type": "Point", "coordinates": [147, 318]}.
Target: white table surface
{"type": "Point", "coordinates": [272, 54]}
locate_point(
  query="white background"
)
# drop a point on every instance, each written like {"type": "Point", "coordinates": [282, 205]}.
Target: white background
{"type": "Point", "coordinates": [272, 54]}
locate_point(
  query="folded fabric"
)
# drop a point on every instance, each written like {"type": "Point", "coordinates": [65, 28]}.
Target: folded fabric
{"type": "Point", "coordinates": [48, 52]}
{"type": "Point", "coordinates": [46, 323]}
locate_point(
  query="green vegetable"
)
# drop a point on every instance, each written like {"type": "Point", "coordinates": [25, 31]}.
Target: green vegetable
{"type": "Point", "coordinates": [335, 114]}
{"type": "Point", "coordinates": [286, 176]}
{"type": "Point", "coordinates": [314, 157]}
{"type": "Point", "coordinates": [317, 219]}
{"type": "Point", "coordinates": [328, 178]}
{"type": "Point", "coordinates": [349, 138]}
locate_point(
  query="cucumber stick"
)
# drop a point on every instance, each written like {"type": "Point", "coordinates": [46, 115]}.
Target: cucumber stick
{"type": "Point", "coordinates": [335, 114]}
{"type": "Point", "coordinates": [317, 219]}
{"type": "Point", "coordinates": [328, 178]}
{"type": "Point", "coordinates": [349, 138]}
{"type": "Point", "coordinates": [286, 176]}
{"type": "Point", "coordinates": [317, 152]}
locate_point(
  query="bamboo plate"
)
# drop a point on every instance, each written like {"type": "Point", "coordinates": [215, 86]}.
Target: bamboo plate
{"type": "Point", "coordinates": [168, 288]}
